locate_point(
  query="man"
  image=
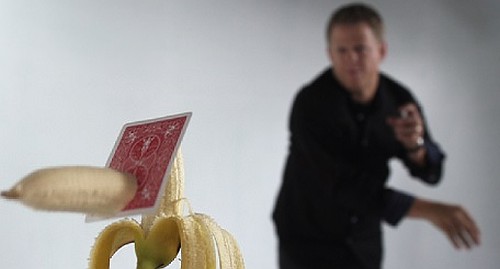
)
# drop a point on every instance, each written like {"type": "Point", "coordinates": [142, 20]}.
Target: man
{"type": "Point", "coordinates": [345, 127]}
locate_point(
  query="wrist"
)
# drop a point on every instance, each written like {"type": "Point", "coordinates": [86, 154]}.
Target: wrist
{"type": "Point", "coordinates": [420, 209]}
{"type": "Point", "coordinates": [419, 145]}
{"type": "Point", "coordinates": [417, 154]}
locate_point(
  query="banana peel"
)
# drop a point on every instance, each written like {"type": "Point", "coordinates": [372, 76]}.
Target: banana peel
{"type": "Point", "coordinates": [159, 237]}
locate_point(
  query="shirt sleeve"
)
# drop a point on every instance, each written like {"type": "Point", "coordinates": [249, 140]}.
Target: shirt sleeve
{"type": "Point", "coordinates": [397, 204]}
{"type": "Point", "coordinates": [432, 171]}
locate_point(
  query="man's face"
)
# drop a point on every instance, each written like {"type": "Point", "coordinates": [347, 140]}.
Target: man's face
{"type": "Point", "coordinates": [356, 54]}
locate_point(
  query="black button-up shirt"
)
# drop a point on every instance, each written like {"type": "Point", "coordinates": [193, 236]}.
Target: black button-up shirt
{"type": "Point", "coordinates": [333, 194]}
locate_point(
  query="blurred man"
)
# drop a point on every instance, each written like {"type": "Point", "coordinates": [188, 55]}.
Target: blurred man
{"type": "Point", "coordinates": [345, 127]}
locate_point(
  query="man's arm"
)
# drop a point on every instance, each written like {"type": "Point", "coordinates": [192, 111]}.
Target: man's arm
{"type": "Point", "coordinates": [422, 156]}
{"type": "Point", "coordinates": [396, 205]}
{"type": "Point", "coordinates": [452, 220]}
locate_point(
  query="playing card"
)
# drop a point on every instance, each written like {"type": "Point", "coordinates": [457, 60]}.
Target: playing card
{"type": "Point", "coordinates": [146, 150]}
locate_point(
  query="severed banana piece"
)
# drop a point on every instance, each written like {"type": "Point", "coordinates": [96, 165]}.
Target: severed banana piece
{"type": "Point", "coordinates": [86, 189]}
{"type": "Point", "coordinates": [160, 236]}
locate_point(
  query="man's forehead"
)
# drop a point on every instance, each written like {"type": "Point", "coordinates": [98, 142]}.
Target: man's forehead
{"type": "Point", "coordinates": [352, 31]}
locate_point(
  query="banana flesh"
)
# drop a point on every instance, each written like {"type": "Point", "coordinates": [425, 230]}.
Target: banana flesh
{"type": "Point", "coordinates": [158, 238]}
{"type": "Point", "coordinates": [202, 243]}
{"type": "Point", "coordinates": [86, 189]}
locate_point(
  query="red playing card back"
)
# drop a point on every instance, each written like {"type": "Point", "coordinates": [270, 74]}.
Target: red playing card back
{"type": "Point", "coordinates": [146, 149]}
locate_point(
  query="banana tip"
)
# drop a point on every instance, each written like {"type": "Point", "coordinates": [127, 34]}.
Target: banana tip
{"type": "Point", "coordinates": [10, 194]}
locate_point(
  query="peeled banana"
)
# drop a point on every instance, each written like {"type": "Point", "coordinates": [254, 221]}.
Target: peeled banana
{"type": "Point", "coordinates": [160, 236]}
{"type": "Point", "coordinates": [86, 189]}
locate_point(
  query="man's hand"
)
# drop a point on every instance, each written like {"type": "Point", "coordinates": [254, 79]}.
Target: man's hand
{"type": "Point", "coordinates": [453, 220]}
{"type": "Point", "coordinates": [408, 127]}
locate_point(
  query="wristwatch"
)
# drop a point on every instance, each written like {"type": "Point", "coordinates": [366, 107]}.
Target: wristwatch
{"type": "Point", "coordinates": [419, 145]}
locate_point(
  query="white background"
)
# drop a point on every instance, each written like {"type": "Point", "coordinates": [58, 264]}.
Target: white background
{"type": "Point", "coordinates": [73, 72]}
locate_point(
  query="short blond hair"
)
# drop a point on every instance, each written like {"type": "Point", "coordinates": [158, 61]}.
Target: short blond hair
{"type": "Point", "coordinates": [356, 13]}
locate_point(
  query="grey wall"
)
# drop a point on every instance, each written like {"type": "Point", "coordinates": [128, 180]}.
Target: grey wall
{"type": "Point", "coordinates": [73, 72]}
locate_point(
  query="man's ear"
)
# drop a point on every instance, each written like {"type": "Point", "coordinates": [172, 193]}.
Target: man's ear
{"type": "Point", "coordinates": [383, 50]}
{"type": "Point", "coordinates": [329, 52]}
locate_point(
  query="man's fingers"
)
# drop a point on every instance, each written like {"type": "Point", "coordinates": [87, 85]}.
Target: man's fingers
{"type": "Point", "coordinates": [409, 110]}
{"type": "Point", "coordinates": [454, 239]}
{"type": "Point", "coordinates": [461, 229]}
{"type": "Point", "coordinates": [464, 239]}
{"type": "Point", "coordinates": [457, 236]}
{"type": "Point", "coordinates": [470, 228]}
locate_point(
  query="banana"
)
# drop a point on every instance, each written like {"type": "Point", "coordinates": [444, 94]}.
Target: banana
{"type": "Point", "coordinates": [228, 251]}
{"type": "Point", "coordinates": [160, 236]}
{"type": "Point", "coordinates": [92, 190]}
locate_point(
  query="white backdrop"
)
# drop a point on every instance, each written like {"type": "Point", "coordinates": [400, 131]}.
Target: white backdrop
{"type": "Point", "coordinates": [73, 72]}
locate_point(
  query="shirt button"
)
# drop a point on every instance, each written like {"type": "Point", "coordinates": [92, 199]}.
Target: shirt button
{"type": "Point", "coordinates": [364, 142]}
{"type": "Point", "coordinates": [360, 116]}
{"type": "Point", "coordinates": [354, 219]}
